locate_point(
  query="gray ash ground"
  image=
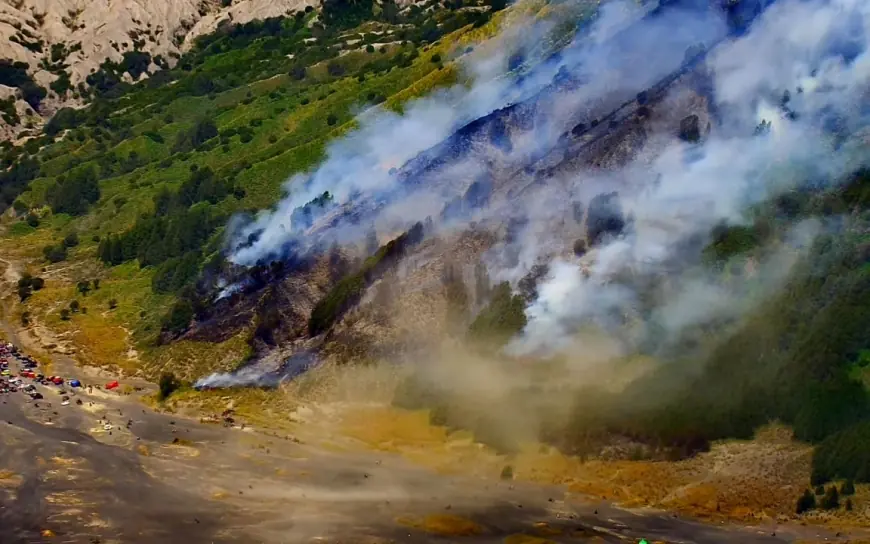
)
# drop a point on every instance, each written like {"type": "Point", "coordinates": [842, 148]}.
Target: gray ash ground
{"type": "Point", "coordinates": [154, 477]}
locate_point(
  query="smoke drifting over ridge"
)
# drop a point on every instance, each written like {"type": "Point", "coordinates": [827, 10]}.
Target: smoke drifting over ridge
{"type": "Point", "coordinates": [803, 67]}
{"type": "Point", "coordinates": [609, 63]}
{"type": "Point", "coordinates": [817, 53]}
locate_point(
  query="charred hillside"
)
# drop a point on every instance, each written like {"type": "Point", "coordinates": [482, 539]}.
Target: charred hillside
{"type": "Point", "coordinates": [331, 279]}
{"type": "Point", "coordinates": [679, 226]}
{"type": "Point", "coordinates": [504, 171]}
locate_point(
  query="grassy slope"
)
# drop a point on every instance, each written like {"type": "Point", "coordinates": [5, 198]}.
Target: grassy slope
{"type": "Point", "coordinates": [289, 135]}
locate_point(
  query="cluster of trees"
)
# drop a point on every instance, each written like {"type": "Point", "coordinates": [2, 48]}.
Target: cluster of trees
{"type": "Point", "coordinates": [728, 241]}
{"type": "Point", "coordinates": [844, 455]}
{"type": "Point", "coordinates": [829, 498]}
{"type": "Point", "coordinates": [56, 253]}
{"type": "Point", "coordinates": [348, 291]}
{"type": "Point", "coordinates": [174, 235]}
{"type": "Point", "coordinates": [604, 217]}
{"type": "Point", "coordinates": [8, 111]}
{"type": "Point", "coordinates": [74, 193]}
{"type": "Point", "coordinates": [502, 318]}
{"type": "Point", "coordinates": [153, 240]}
{"type": "Point", "coordinates": [168, 384]}
{"type": "Point", "coordinates": [14, 180]}
{"type": "Point", "coordinates": [73, 308]}
{"type": "Point", "coordinates": [192, 138]}
{"type": "Point", "coordinates": [108, 80]}
{"type": "Point", "coordinates": [97, 115]}
{"type": "Point", "coordinates": [791, 361]}
{"type": "Point", "coordinates": [27, 284]}
{"type": "Point", "coordinates": [175, 273]}
{"type": "Point", "coordinates": [304, 216]}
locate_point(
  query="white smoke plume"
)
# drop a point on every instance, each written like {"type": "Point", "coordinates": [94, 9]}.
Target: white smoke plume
{"type": "Point", "coordinates": [816, 52]}
{"type": "Point", "coordinates": [258, 375]}
{"type": "Point", "coordinates": [613, 63]}
{"type": "Point", "coordinates": [803, 67]}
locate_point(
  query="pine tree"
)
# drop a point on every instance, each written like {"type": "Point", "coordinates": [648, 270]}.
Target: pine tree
{"type": "Point", "coordinates": [848, 487]}
{"type": "Point", "coordinates": [831, 501]}
{"type": "Point", "coordinates": [806, 502]}
{"type": "Point", "coordinates": [116, 251]}
{"type": "Point", "coordinates": [105, 250]}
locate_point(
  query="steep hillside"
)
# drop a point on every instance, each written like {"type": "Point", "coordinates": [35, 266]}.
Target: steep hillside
{"type": "Point", "coordinates": [612, 230]}
{"type": "Point", "coordinates": [70, 47]}
{"type": "Point", "coordinates": [62, 43]}
{"type": "Point", "coordinates": [221, 132]}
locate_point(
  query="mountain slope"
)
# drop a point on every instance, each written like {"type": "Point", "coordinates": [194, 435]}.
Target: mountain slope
{"type": "Point", "coordinates": [235, 123]}
{"type": "Point", "coordinates": [65, 41]}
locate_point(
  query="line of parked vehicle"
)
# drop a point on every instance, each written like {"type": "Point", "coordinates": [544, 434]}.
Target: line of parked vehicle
{"type": "Point", "coordinates": [10, 383]}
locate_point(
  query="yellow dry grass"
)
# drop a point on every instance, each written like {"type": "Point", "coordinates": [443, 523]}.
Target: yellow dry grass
{"type": "Point", "coordinates": [190, 359]}
{"type": "Point", "coordinates": [9, 479]}
{"type": "Point", "coordinates": [544, 529]}
{"type": "Point", "coordinates": [521, 538]}
{"type": "Point", "coordinates": [443, 525]}
{"type": "Point", "coordinates": [102, 342]}
{"type": "Point", "coordinates": [743, 480]}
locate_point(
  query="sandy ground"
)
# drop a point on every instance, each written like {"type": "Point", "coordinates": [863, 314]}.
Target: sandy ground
{"type": "Point", "coordinates": [341, 473]}
{"type": "Point", "coordinates": [168, 479]}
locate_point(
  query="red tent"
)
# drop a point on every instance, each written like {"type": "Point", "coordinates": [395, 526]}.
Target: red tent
{"type": "Point", "coordinates": [112, 385]}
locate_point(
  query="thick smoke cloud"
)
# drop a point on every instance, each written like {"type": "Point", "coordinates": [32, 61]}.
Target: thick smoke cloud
{"type": "Point", "coordinates": [804, 67]}
{"type": "Point", "coordinates": [610, 63]}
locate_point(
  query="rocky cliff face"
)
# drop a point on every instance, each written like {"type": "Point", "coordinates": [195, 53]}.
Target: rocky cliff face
{"type": "Point", "coordinates": [73, 37]}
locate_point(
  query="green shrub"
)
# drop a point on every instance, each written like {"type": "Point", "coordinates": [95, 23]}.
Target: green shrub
{"type": "Point", "coordinates": [168, 384]}
{"type": "Point", "coordinates": [831, 500]}
{"type": "Point", "coordinates": [54, 253]}
{"type": "Point", "coordinates": [507, 473]}
{"type": "Point", "coordinates": [501, 319]}
{"type": "Point", "coordinates": [71, 240]}
{"type": "Point", "coordinates": [848, 487]}
{"type": "Point", "coordinates": [179, 317]}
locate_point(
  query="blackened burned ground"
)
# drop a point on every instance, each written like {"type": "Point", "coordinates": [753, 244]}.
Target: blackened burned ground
{"type": "Point", "coordinates": [156, 478]}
